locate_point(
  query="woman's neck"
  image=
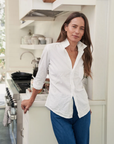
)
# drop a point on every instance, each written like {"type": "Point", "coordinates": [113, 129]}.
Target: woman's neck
{"type": "Point", "coordinates": [73, 46]}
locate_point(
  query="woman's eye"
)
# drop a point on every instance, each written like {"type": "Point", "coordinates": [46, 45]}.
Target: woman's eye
{"type": "Point", "coordinates": [82, 28]}
{"type": "Point", "coordinates": [74, 26]}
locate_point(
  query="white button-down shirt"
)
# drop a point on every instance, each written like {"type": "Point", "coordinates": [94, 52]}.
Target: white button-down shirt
{"type": "Point", "coordinates": [65, 81]}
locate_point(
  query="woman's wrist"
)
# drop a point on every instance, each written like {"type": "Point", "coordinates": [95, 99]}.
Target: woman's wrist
{"type": "Point", "coordinates": [34, 93]}
{"type": "Point", "coordinates": [31, 100]}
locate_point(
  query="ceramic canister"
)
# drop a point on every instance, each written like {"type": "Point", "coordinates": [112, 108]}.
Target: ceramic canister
{"type": "Point", "coordinates": [34, 39]}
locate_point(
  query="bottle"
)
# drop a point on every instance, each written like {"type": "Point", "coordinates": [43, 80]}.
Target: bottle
{"type": "Point", "coordinates": [27, 38]}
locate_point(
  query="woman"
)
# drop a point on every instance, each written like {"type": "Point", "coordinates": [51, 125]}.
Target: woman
{"type": "Point", "coordinates": [68, 61]}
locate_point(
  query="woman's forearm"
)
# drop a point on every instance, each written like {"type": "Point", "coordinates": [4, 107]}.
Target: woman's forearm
{"type": "Point", "coordinates": [34, 93]}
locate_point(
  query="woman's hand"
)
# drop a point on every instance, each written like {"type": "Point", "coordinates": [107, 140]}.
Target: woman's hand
{"type": "Point", "coordinates": [26, 104]}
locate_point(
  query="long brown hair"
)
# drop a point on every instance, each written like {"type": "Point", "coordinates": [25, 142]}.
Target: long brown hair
{"type": "Point", "coordinates": [87, 56]}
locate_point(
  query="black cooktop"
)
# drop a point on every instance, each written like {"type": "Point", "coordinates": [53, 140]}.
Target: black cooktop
{"type": "Point", "coordinates": [21, 81]}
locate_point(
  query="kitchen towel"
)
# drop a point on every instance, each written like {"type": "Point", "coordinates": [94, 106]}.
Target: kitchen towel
{"type": "Point", "coordinates": [6, 119]}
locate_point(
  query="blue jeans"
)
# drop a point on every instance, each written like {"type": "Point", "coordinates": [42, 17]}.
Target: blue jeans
{"type": "Point", "coordinates": [74, 130]}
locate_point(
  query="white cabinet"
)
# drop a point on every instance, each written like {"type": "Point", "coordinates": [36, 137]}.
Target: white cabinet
{"type": "Point", "coordinates": [36, 122]}
{"type": "Point", "coordinates": [25, 6]}
{"type": "Point", "coordinates": [37, 126]}
{"type": "Point", "coordinates": [72, 5]}
{"type": "Point", "coordinates": [28, 9]}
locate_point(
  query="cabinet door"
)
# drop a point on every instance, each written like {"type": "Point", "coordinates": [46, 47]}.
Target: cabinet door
{"type": "Point", "coordinates": [40, 128]}
{"type": "Point", "coordinates": [97, 127]}
{"type": "Point", "coordinates": [24, 7]}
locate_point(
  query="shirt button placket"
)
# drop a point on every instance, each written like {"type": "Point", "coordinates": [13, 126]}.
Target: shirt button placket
{"type": "Point", "coordinates": [71, 83]}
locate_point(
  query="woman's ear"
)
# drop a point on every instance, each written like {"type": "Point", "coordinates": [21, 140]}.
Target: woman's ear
{"type": "Point", "coordinates": [65, 27]}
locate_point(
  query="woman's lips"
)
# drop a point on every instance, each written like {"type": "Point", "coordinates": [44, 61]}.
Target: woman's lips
{"type": "Point", "coordinates": [75, 36]}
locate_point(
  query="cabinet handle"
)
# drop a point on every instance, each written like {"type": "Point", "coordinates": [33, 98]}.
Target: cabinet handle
{"type": "Point", "coordinates": [21, 132]}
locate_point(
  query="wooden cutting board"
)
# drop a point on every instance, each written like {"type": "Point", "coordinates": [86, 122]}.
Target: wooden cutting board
{"type": "Point", "coordinates": [49, 1]}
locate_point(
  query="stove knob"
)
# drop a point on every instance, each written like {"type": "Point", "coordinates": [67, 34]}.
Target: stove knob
{"type": "Point", "coordinates": [9, 95]}
{"type": "Point", "coordinates": [8, 92]}
{"type": "Point", "coordinates": [11, 99]}
{"type": "Point", "coordinates": [7, 89]}
{"type": "Point", "coordinates": [12, 104]}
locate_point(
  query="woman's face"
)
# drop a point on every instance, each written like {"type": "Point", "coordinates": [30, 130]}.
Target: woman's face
{"type": "Point", "coordinates": [75, 29]}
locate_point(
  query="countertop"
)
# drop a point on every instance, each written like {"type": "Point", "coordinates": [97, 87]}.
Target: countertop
{"type": "Point", "coordinates": [41, 98]}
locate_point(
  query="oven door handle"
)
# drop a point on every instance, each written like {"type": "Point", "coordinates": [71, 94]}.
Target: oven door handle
{"type": "Point", "coordinates": [12, 116]}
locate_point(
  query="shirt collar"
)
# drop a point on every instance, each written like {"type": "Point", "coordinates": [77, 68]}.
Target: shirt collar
{"type": "Point", "coordinates": [81, 46]}
{"type": "Point", "coordinates": [65, 43]}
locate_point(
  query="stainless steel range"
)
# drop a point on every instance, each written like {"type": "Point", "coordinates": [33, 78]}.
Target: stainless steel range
{"type": "Point", "coordinates": [14, 87]}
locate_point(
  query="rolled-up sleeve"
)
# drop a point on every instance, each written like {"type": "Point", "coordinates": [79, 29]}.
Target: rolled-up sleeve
{"type": "Point", "coordinates": [42, 69]}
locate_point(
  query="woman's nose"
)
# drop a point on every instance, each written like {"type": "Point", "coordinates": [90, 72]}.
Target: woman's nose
{"type": "Point", "coordinates": [77, 30]}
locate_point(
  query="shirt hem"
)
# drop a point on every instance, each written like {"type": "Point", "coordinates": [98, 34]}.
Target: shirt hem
{"type": "Point", "coordinates": [84, 113]}
{"type": "Point", "coordinates": [58, 113]}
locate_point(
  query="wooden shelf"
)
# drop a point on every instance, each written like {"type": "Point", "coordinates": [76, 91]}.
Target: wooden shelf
{"type": "Point", "coordinates": [30, 21]}
{"type": "Point", "coordinates": [32, 47]}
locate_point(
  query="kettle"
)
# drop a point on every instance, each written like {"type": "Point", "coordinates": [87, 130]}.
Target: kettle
{"type": "Point", "coordinates": [35, 67]}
